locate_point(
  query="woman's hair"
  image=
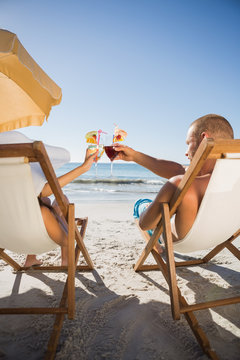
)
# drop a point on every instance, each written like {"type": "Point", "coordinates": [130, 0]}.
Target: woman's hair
{"type": "Point", "coordinates": [215, 125]}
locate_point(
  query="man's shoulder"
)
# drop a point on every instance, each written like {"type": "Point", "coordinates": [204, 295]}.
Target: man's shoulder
{"type": "Point", "coordinates": [176, 179]}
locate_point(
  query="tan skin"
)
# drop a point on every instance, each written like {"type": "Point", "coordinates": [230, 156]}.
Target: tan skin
{"type": "Point", "coordinates": [55, 230]}
{"type": "Point", "coordinates": [160, 167]}
{"type": "Point", "coordinates": [187, 210]}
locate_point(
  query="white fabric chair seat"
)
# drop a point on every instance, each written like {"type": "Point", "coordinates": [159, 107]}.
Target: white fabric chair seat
{"type": "Point", "coordinates": [218, 217]}
{"type": "Point", "coordinates": [22, 227]}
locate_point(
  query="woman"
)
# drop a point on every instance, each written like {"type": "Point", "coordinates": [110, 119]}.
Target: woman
{"type": "Point", "coordinates": [50, 212]}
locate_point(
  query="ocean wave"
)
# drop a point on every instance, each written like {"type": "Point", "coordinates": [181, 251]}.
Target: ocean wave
{"type": "Point", "coordinates": [108, 191]}
{"type": "Point", "coordinates": [117, 181]}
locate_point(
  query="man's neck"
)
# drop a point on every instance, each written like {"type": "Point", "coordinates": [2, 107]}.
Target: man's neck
{"type": "Point", "coordinates": [207, 168]}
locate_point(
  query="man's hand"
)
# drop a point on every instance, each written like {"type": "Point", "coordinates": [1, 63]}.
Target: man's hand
{"type": "Point", "coordinates": [124, 152]}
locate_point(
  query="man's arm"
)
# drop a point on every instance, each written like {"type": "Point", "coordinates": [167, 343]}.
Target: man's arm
{"type": "Point", "coordinates": [163, 168]}
{"type": "Point", "coordinates": [151, 216]}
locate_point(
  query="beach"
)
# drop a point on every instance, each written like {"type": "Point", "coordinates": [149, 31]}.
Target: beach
{"type": "Point", "coordinates": [124, 98]}
{"type": "Point", "coordinates": [120, 314]}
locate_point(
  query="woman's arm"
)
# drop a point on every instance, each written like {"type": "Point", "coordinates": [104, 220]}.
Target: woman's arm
{"type": "Point", "coordinates": [71, 175]}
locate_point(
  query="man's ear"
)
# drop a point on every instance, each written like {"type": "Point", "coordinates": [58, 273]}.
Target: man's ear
{"type": "Point", "coordinates": [203, 135]}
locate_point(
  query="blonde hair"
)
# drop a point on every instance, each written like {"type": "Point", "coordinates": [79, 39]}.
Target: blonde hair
{"type": "Point", "coordinates": [217, 127]}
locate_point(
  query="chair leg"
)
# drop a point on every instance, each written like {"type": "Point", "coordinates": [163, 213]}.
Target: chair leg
{"type": "Point", "coordinates": [79, 238]}
{"type": "Point", "coordinates": [53, 341]}
{"type": "Point", "coordinates": [169, 272]}
{"type": "Point", "coordinates": [167, 231]}
{"type": "Point", "coordinates": [9, 260]}
{"type": "Point", "coordinates": [149, 246]}
{"type": "Point", "coordinates": [190, 317]}
{"type": "Point", "coordinates": [221, 246]}
{"type": "Point", "coordinates": [69, 288]}
{"type": "Point", "coordinates": [198, 332]}
{"type": "Point", "coordinates": [71, 262]}
{"type": "Point", "coordinates": [233, 250]}
{"type": "Point", "coordinates": [59, 318]}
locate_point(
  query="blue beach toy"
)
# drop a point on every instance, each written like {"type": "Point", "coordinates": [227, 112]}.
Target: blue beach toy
{"type": "Point", "coordinates": [139, 207]}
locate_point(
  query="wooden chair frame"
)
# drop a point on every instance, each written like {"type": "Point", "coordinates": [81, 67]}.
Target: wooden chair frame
{"type": "Point", "coordinates": [35, 152]}
{"type": "Point", "coordinates": [208, 149]}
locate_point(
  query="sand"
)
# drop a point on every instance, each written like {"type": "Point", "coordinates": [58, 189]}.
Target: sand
{"type": "Point", "coordinates": [120, 314]}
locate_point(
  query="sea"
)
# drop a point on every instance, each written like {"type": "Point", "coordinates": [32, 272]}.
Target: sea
{"type": "Point", "coordinates": [128, 182]}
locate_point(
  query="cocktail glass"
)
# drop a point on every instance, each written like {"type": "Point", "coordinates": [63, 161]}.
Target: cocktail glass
{"type": "Point", "coordinates": [93, 148]}
{"type": "Point", "coordinates": [110, 151]}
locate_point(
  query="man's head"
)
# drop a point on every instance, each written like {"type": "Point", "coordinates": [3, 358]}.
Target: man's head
{"type": "Point", "coordinates": [212, 126]}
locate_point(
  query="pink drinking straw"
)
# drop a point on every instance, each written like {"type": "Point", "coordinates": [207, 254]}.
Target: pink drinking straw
{"type": "Point", "coordinates": [98, 137]}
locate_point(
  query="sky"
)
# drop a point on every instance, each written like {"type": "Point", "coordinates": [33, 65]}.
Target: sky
{"type": "Point", "coordinates": [151, 67]}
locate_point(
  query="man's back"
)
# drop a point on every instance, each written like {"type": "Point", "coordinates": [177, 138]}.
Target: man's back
{"type": "Point", "coordinates": [187, 211]}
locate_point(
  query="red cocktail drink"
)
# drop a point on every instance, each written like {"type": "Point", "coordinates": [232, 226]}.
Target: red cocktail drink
{"type": "Point", "coordinates": [111, 152]}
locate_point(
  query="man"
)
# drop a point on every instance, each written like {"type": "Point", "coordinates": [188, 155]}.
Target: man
{"type": "Point", "coordinates": [208, 126]}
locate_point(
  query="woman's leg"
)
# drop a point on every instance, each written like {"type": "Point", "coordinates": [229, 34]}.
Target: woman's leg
{"type": "Point", "coordinates": [32, 260]}
{"type": "Point", "coordinates": [61, 219]}
{"type": "Point", "coordinates": [56, 232]}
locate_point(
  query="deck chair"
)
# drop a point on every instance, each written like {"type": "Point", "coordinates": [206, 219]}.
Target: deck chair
{"type": "Point", "coordinates": [23, 231]}
{"type": "Point", "coordinates": [216, 226]}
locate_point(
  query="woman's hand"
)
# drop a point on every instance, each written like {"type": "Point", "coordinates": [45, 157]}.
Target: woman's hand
{"type": "Point", "coordinates": [89, 159]}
